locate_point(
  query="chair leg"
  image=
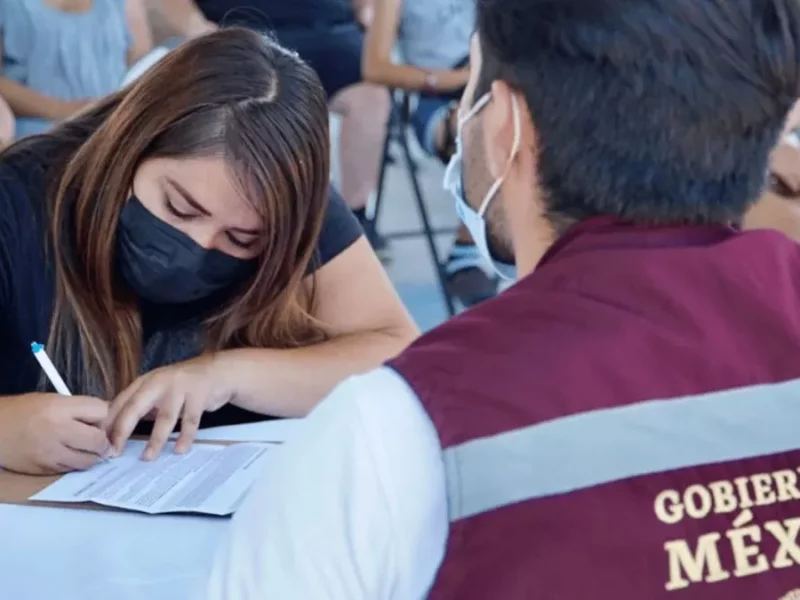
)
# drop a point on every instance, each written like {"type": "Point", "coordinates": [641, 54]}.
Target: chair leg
{"type": "Point", "coordinates": [387, 145]}
{"type": "Point", "coordinates": [426, 224]}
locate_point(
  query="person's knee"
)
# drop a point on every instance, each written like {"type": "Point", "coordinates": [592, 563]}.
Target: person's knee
{"type": "Point", "coordinates": [365, 100]}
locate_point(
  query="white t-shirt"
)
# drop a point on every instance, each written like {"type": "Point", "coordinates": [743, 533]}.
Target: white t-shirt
{"type": "Point", "coordinates": [352, 507]}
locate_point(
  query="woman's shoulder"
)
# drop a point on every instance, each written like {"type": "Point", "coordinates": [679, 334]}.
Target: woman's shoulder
{"type": "Point", "coordinates": [340, 229]}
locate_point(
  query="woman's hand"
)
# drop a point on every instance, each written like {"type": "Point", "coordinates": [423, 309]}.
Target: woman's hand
{"type": "Point", "coordinates": [43, 434]}
{"type": "Point", "coordinates": [182, 391]}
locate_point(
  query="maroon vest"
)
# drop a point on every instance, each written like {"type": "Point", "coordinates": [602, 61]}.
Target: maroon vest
{"type": "Point", "coordinates": [623, 423]}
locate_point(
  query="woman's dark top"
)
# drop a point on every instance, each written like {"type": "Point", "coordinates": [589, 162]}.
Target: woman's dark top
{"type": "Point", "coordinates": [27, 285]}
{"type": "Point", "coordinates": [276, 14]}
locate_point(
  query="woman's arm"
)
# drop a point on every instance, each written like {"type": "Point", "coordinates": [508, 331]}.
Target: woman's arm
{"type": "Point", "coordinates": [368, 325]}
{"type": "Point", "coordinates": [139, 26]}
{"type": "Point", "coordinates": [6, 124]}
{"type": "Point", "coordinates": [25, 102]}
{"type": "Point", "coordinates": [183, 17]}
{"type": "Point", "coordinates": [376, 61]}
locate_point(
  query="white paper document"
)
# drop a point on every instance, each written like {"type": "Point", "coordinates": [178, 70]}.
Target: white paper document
{"type": "Point", "coordinates": [209, 479]}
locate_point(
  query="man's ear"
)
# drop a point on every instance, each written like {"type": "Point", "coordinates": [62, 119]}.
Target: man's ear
{"type": "Point", "coordinates": [498, 129]}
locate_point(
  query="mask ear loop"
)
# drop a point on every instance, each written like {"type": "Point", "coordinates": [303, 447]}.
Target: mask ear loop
{"type": "Point", "coordinates": [514, 149]}
{"type": "Point", "coordinates": [476, 108]}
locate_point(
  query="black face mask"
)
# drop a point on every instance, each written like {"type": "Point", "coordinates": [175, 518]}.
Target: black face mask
{"type": "Point", "coordinates": [165, 266]}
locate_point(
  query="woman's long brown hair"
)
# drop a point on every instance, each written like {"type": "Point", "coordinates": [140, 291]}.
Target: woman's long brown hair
{"type": "Point", "coordinates": [234, 94]}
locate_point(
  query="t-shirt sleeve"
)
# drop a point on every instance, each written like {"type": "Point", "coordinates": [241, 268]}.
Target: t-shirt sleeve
{"type": "Point", "coordinates": [340, 229]}
{"type": "Point", "coordinates": [353, 506]}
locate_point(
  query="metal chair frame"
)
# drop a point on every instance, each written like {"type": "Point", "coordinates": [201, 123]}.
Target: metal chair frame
{"type": "Point", "coordinates": [397, 131]}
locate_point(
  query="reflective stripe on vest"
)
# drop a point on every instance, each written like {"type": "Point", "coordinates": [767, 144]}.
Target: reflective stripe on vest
{"type": "Point", "coordinates": [603, 446]}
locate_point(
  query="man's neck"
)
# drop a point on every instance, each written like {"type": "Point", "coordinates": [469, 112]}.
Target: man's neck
{"type": "Point", "coordinates": [532, 237]}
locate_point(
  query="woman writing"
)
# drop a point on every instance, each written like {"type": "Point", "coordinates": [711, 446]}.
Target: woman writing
{"type": "Point", "coordinates": [177, 247]}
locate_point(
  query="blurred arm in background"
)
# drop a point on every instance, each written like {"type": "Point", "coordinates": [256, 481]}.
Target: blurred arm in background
{"type": "Point", "coordinates": [139, 26]}
{"type": "Point", "coordinates": [377, 66]}
{"type": "Point", "coordinates": [6, 124]}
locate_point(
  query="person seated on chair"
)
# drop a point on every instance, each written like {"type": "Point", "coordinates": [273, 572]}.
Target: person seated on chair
{"type": "Point", "coordinates": [433, 37]}
{"type": "Point", "coordinates": [622, 422]}
{"type": "Point", "coordinates": [329, 37]}
{"type": "Point", "coordinates": [58, 57]}
{"type": "Point", "coordinates": [179, 249]}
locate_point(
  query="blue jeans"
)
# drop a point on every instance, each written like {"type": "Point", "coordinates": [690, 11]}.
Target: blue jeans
{"type": "Point", "coordinates": [430, 112]}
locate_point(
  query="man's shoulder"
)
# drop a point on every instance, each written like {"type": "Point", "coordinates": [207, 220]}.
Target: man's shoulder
{"type": "Point", "coordinates": [356, 395]}
{"type": "Point", "coordinates": [373, 407]}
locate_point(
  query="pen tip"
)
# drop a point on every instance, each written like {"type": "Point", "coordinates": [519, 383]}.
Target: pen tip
{"type": "Point", "coordinates": [36, 347]}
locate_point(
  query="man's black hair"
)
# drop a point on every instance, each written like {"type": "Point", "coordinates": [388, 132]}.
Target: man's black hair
{"type": "Point", "coordinates": [662, 111]}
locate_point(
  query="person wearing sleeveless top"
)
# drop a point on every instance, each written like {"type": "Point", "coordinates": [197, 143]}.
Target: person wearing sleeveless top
{"type": "Point", "coordinates": [433, 37]}
{"type": "Point", "coordinates": [59, 56]}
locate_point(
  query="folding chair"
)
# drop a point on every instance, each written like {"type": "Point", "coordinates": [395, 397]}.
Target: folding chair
{"type": "Point", "coordinates": [397, 131]}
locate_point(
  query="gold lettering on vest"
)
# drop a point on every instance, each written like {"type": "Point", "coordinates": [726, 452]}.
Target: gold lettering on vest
{"type": "Point", "coordinates": [744, 544]}
{"type": "Point", "coordinates": [668, 507]}
{"type": "Point", "coordinates": [725, 500]}
{"type": "Point", "coordinates": [762, 487]}
{"type": "Point", "coordinates": [699, 560]}
{"type": "Point", "coordinates": [697, 501]}
{"type": "Point", "coordinates": [788, 554]}
{"type": "Point", "coordinates": [687, 567]}
{"type": "Point", "coordinates": [786, 484]}
{"type": "Point", "coordinates": [745, 501]}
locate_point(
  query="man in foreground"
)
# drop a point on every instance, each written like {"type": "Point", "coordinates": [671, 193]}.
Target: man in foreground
{"type": "Point", "coordinates": [621, 423]}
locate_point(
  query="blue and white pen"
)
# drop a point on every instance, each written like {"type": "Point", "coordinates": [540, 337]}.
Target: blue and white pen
{"type": "Point", "coordinates": [49, 369]}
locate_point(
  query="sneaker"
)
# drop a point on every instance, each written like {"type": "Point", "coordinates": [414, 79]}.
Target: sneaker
{"type": "Point", "coordinates": [466, 280]}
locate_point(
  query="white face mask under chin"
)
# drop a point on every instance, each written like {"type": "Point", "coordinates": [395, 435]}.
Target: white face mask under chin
{"type": "Point", "coordinates": [475, 221]}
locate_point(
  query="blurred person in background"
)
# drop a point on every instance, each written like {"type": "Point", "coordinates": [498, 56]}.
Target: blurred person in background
{"type": "Point", "coordinates": [180, 250]}
{"type": "Point", "coordinates": [60, 56]}
{"type": "Point", "coordinates": [328, 35]}
{"type": "Point", "coordinates": [433, 37]}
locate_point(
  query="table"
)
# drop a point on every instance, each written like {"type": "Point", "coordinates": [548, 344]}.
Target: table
{"type": "Point", "coordinates": [69, 554]}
